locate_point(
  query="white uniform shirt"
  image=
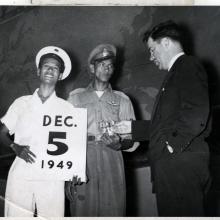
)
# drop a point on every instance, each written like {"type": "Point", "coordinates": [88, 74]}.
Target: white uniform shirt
{"type": "Point", "coordinates": [23, 118]}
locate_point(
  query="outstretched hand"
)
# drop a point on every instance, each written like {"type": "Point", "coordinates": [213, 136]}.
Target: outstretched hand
{"type": "Point", "coordinates": [122, 127]}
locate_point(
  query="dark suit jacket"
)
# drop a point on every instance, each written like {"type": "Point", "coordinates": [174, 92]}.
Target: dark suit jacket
{"type": "Point", "coordinates": [181, 111]}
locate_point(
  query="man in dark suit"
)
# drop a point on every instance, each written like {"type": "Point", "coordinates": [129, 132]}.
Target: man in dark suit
{"type": "Point", "coordinates": [178, 153]}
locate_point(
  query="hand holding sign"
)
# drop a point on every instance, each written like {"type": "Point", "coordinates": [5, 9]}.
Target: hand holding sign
{"type": "Point", "coordinates": [70, 188]}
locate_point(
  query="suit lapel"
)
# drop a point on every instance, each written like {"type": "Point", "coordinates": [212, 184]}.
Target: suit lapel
{"type": "Point", "coordinates": [170, 73]}
{"type": "Point", "coordinates": [159, 94]}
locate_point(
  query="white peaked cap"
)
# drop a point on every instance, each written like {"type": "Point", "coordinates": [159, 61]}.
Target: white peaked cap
{"type": "Point", "coordinates": [60, 53]}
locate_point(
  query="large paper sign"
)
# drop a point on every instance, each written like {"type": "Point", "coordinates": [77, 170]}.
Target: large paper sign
{"type": "Point", "coordinates": [61, 151]}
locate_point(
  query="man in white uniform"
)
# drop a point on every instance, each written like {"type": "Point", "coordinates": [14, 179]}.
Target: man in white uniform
{"type": "Point", "coordinates": [24, 195]}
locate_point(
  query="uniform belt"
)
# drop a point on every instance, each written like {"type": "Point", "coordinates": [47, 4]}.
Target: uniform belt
{"type": "Point", "coordinates": [90, 138]}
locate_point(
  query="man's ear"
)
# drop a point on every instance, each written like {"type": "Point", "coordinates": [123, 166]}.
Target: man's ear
{"type": "Point", "coordinates": [92, 68]}
{"type": "Point", "coordinates": [165, 42]}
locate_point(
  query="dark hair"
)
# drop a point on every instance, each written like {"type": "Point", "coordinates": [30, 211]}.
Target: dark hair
{"type": "Point", "coordinates": [165, 29]}
{"type": "Point", "coordinates": [54, 56]}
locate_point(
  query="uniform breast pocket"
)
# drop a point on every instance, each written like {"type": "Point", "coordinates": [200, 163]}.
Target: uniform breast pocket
{"type": "Point", "coordinates": [112, 109]}
{"type": "Point", "coordinates": [88, 104]}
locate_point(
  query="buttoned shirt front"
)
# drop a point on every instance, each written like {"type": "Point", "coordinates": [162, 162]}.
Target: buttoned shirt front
{"type": "Point", "coordinates": [111, 106]}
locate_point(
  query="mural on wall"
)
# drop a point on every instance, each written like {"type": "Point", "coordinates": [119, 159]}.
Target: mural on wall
{"type": "Point", "coordinates": [78, 30]}
{"type": "Point", "coordinates": [25, 30]}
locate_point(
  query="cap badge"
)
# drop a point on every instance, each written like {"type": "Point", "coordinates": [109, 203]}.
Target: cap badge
{"type": "Point", "coordinates": [105, 52]}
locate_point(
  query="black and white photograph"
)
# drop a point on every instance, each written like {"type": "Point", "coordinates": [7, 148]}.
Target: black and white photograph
{"type": "Point", "coordinates": [109, 111]}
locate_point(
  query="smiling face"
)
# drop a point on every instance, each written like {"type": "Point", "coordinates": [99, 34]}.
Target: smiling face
{"type": "Point", "coordinates": [158, 53]}
{"type": "Point", "coordinates": [49, 71]}
{"type": "Point", "coordinates": [103, 70]}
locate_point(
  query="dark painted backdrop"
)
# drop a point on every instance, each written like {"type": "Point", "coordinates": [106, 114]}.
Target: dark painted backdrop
{"type": "Point", "coordinates": [25, 30]}
{"type": "Point", "coordinates": [79, 29]}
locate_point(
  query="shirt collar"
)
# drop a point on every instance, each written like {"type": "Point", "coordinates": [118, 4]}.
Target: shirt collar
{"type": "Point", "coordinates": [36, 96]}
{"type": "Point", "coordinates": [172, 61]}
{"type": "Point", "coordinates": [91, 87]}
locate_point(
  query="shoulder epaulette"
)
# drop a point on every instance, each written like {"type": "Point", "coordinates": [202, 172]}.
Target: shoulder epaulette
{"type": "Point", "coordinates": [77, 91]}
{"type": "Point", "coordinates": [121, 94]}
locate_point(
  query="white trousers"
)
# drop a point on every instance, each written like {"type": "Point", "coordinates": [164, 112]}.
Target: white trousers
{"type": "Point", "coordinates": [22, 196]}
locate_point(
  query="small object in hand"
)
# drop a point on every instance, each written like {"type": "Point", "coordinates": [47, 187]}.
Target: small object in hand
{"type": "Point", "coordinates": [106, 127]}
{"type": "Point", "coordinates": [170, 149]}
{"type": "Point", "coordinates": [110, 128]}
